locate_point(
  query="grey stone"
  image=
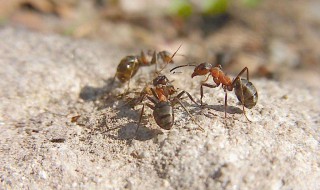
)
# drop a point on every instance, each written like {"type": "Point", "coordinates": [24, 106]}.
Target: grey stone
{"type": "Point", "coordinates": [42, 77]}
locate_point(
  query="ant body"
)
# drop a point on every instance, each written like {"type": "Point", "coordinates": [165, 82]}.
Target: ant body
{"type": "Point", "coordinates": [244, 89]}
{"type": "Point", "coordinates": [130, 64]}
{"type": "Point", "coordinates": [163, 103]}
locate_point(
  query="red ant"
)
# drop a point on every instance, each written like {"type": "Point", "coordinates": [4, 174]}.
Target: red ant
{"type": "Point", "coordinates": [244, 89]}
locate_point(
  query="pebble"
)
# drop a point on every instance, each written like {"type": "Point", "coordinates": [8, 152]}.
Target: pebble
{"type": "Point", "coordinates": [43, 174]}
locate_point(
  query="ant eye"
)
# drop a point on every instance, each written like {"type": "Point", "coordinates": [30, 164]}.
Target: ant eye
{"type": "Point", "coordinates": [204, 66]}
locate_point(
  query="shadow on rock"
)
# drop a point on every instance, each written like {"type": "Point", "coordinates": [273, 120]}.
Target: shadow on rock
{"type": "Point", "coordinates": [220, 108]}
{"type": "Point", "coordinates": [103, 99]}
{"type": "Point", "coordinates": [89, 93]}
{"type": "Point", "coordinates": [128, 132]}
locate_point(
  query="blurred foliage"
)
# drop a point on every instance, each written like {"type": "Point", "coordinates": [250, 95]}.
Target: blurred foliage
{"type": "Point", "coordinates": [3, 21]}
{"type": "Point", "coordinates": [185, 8]}
{"type": "Point", "coordinates": [214, 7]}
{"type": "Point", "coordinates": [181, 8]}
{"type": "Point", "coordinates": [251, 3]}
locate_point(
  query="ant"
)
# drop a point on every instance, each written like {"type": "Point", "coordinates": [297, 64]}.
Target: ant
{"type": "Point", "coordinates": [245, 91]}
{"type": "Point", "coordinates": [130, 64]}
{"type": "Point", "coordinates": [163, 103]}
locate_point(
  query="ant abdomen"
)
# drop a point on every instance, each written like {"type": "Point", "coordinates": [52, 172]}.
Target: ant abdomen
{"type": "Point", "coordinates": [127, 68]}
{"type": "Point", "coordinates": [249, 93]}
{"type": "Point", "coordinates": [163, 114]}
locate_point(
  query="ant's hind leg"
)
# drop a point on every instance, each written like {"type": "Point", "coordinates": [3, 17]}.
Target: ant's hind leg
{"type": "Point", "coordinates": [244, 113]}
{"type": "Point", "coordinates": [238, 76]}
{"type": "Point", "coordinates": [242, 102]}
{"type": "Point", "coordinates": [241, 88]}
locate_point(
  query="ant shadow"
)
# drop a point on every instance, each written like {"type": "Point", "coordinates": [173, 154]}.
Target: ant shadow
{"type": "Point", "coordinates": [128, 132]}
{"type": "Point", "coordinates": [219, 108]}
{"type": "Point", "coordinates": [103, 98]}
{"type": "Point", "coordinates": [89, 93]}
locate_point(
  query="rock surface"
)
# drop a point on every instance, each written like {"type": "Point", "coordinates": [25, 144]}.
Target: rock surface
{"type": "Point", "coordinates": [47, 80]}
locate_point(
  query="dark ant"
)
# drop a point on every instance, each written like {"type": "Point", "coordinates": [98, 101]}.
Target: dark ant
{"type": "Point", "coordinates": [130, 64]}
{"type": "Point", "coordinates": [245, 91]}
{"type": "Point", "coordinates": [163, 103]}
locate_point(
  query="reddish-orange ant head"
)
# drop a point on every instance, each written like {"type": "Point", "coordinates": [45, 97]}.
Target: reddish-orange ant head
{"type": "Point", "coordinates": [202, 69]}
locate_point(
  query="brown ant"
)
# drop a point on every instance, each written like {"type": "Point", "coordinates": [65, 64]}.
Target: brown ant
{"type": "Point", "coordinates": [244, 89]}
{"type": "Point", "coordinates": [163, 103]}
{"type": "Point", "coordinates": [130, 64]}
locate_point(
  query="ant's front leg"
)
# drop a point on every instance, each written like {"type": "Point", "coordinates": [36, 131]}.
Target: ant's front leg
{"type": "Point", "coordinates": [201, 90]}
{"type": "Point", "coordinates": [141, 114]}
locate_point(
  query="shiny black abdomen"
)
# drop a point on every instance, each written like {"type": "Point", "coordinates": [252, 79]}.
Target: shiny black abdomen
{"type": "Point", "coordinates": [250, 93]}
{"type": "Point", "coordinates": [127, 68]}
{"type": "Point", "coordinates": [163, 114]}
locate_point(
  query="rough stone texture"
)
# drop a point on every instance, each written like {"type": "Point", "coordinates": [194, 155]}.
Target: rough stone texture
{"type": "Point", "coordinates": [46, 80]}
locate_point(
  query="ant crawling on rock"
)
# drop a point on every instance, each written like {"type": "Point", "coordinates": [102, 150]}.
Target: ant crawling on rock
{"type": "Point", "coordinates": [244, 89]}
{"type": "Point", "coordinates": [130, 64]}
{"type": "Point", "coordinates": [163, 103]}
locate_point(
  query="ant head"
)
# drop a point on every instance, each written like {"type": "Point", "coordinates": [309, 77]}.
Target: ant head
{"type": "Point", "coordinates": [160, 80]}
{"type": "Point", "coordinates": [202, 69]}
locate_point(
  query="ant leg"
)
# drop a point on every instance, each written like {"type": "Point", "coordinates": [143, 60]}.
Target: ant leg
{"type": "Point", "coordinates": [152, 100]}
{"type": "Point", "coordinates": [143, 59]}
{"type": "Point", "coordinates": [135, 101]}
{"type": "Point", "coordinates": [242, 102]}
{"type": "Point", "coordinates": [177, 99]}
{"type": "Point", "coordinates": [201, 90]}
{"type": "Point", "coordinates": [128, 87]}
{"type": "Point", "coordinates": [142, 110]}
{"type": "Point", "coordinates": [131, 74]}
{"type": "Point", "coordinates": [154, 61]}
{"type": "Point", "coordinates": [113, 80]}
{"type": "Point", "coordinates": [225, 103]}
{"type": "Point", "coordinates": [201, 94]}
{"type": "Point", "coordinates": [238, 76]}
{"type": "Point", "coordinates": [141, 114]}
{"type": "Point", "coordinates": [241, 89]}
{"type": "Point", "coordinates": [188, 94]}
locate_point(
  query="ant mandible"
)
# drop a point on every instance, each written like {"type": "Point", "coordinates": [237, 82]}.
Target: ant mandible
{"type": "Point", "coordinates": [244, 89]}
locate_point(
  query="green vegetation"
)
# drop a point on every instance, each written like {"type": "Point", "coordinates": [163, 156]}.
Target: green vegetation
{"type": "Point", "coordinates": [185, 8]}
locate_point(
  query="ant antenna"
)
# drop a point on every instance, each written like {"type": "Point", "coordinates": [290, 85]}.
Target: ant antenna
{"type": "Point", "coordinates": [170, 59]}
{"type": "Point", "coordinates": [174, 68]}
